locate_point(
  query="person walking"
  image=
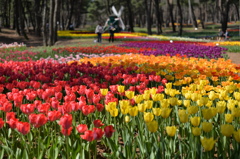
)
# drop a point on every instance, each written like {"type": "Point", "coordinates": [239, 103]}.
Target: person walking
{"type": "Point", "coordinates": [220, 35]}
{"type": "Point", "coordinates": [111, 32]}
{"type": "Point", "coordinates": [99, 31]}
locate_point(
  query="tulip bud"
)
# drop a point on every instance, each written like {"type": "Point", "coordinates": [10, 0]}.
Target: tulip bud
{"type": "Point", "coordinates": [227, 130]}
{"type": "Point", "coordinates": [196, 131]}
{"type": "Point", "coordinates": [171, 130]}
{"type": "Point", "coordinates": [195, 121]}
{"type": "Point", "coordinates": [208, 143]}
{"type": "Point", "coordinates": [207, 127]}
{"type": "Point", "coordinates": [127, 119]}
{"type": "Point", "coordinates": [152, 126]}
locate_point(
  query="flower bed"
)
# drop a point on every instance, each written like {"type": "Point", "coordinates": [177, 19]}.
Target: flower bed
{"type": "Point", "coordinates": [131, 105]}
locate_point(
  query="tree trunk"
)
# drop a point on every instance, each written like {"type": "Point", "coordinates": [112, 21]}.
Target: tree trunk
{"type": "Point", "coordinates": [38, 18]}
{"type": "Point", "coordinates": [192, 15]}
{"type": "Point", "coordinates": [158, 16]}
{"type": "Point", "coordinates": [180, 18]}
{"type": "Point", "coordinates": [130, 17]}
{"type": "Point", "coordinates": [202, 15]}
{"type": "Point", "coordinates": [55, 15]}
{"type": "Point", "coordinates": [51, 33]}
{"type": "Point", "coordinates": [224, 8]}
{"type": "Point", "coordinates": [148, 17]}
{"type": "Point", "coordinates": [170, 9]}
{"type": "Point", "coordinates": [44, 24]}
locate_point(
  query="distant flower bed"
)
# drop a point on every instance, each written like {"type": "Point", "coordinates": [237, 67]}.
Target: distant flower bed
{"type": "Point", "coordinates": [178, 48]}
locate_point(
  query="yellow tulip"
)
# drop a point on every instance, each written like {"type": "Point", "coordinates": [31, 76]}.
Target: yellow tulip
{"type": "Point", "coordinates": [168, 85]}
{"type": "Point", "coordinates": [192, 109]}
{"type": "Point", "coordinates": [153, 91]}
{"type": "Point", "coordinates": [207, 127]}
{"type": "Point", "coordinates": [212, 95]}
{"type": "Point", "coordinates": [236, 112]}
{"type": "Point", "coordinates": [129, 94]}
{"type": "Point", "coordinates": [164, 103]}
{"type": "Point", "coordinates": [179, 102]}
{"type": "Point", "coordinates": [214, 111]}
{"type": "Point", "coordinates": [114, 112]}
{"type": "Point", "coordinates": [183, 116]}
{"type": "Point", "coordinates": [124, 103]}
{"type": "Point", "coordinates": [207, 113]}
{"type": "Point", "coordinates": [221, 108]}
{"type": "Point", "coordinates": [208, 143]}
{"type": "Point", "coordinates": [104, 91]}
{"type": "Point", "coordinates": [157, 111]}
{"type": "Point", "coordinates": [148, 104]}
{"type": "Point", "coordinates": [110, 106]}
{"type": "Point", "coordinates": [127, 119]}
{"type": "Point", "coordinates": [148, 116]}
{"type": "Point", "coordinates": [186, 102]}
{"type": "Point", "coordinates": [146, 95]}
{"type": "Point", "coordinates": [141, 107]}
{"type": "Point", "coordinates": [152, 126]}
{"type": "Point", "coordinates": [229, 118]}
{"type": "Point", "coordinates": [165, 112]}
{"type": "Point", "coordinates": [121, 88]}
{"type": "Point", "coordinates": [236, 135]}
{"type": "Point", "coordinates": [187, 95]}
{"type": "Point", "coordinates": [236, 95]}
{"type": "Point", "coordinates": [173, 101]}
{"type": "Point", "coordinates": [223, 95]}
{"type": "Point", "coordinates": [157, 97]}
{"type": "Point", "coordinates": [231, 104]}
{"type": "Point", "coordinates": [124, 110]}
{"type": "Point", "coordinates": [138, 98]}
{"type": "Point", "coordinates": [133, 111]}
{"type": "Point", "coordinates": [227, 130]}
{"type": "Point", "coordinates": [171, 130]}
{"type": "Point", "coordinates": [195, 121]}
{"type": "Point", "coordinates": [196, 131]}
{"type": "Point", "coordinates": [195, 96]}
{"type": "Point", "coordinates": [209, 103]}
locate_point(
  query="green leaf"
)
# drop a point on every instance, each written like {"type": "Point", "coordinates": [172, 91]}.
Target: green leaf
{"type": "Point", "coordinates": [18, 153]}
{"type": "Point", "coordinates": [25, 154]}
{"type": "Point", "coordinates": [112, 145]}
{"type": "Point", "coordinates": [1, 154]}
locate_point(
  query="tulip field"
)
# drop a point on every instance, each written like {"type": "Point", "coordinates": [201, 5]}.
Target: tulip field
{"type": "Point", "coordinates": [146, 98]}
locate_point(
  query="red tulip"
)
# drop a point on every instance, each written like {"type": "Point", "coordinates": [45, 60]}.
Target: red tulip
{"type": "Point", "coordinates": [35, 84]}
{"type": "Point", "coordinates": [87, 109]}
{"type": "Point", "coordinates": [81, 128]}
{"type": "Point", "coordinates": [88, 135]}
{"type": "Point", "coordinates": [108, 130]}
{"type": "Point", "coordinates": [12, 123]}
{"type": "Point", "coordinates": [66, 121]}
{"type": "Point", "coordinates": [98, 123]}
{"type": "Point", "coordinates": [97, 133]}
{"type": "Point", "coordinates": [10, 115]}
{"type": "Point", "coordinates": [23, 127]}
{"type": "Point", "coordinates": [58, 95]}
{"type": "Point", "coordinates": [43, 108]}
{"type": "Point", "coordinates": [27, 108]}
{"type": "Point", "coordinates": [54, 103]}
{"type": "Point", "coordinates": [6, 106]}
{"type": "Point", "coordinates": [1, 123]}
{"type": "Point", "coordinates": [99, 107]}
{"type": "Point", "coordinates": [82, 89]}
{"type": "Point", "coordinates": [66, 132]}
{"type": "Point", "coordinates": [114, 88]}
{"type": "Point", "coordinates": [96, 98]}
{"type": "Point", "coordinates": [54, 115]}
{"type": "Point", "coordinates": [37, 120]}
{"type": "Point", "coordinates": [17, 97]}
{"type": "Point", "coordinates": [164, 81]}
{"type": "Point", "coordinates": [89, 93]}
{"type": "Point", "coordinates": [31, 96]}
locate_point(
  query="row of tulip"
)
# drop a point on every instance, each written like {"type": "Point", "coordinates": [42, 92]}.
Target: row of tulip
{"type": "Point", "coordinates": [174, 48]}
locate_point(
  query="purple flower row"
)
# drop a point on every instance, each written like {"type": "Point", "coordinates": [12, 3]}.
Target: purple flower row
{"type": "Point", "coordinates": [182, 49]}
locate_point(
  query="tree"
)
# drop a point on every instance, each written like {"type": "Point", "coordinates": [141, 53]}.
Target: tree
{"type": "Point", "coordinates": [170, 9]}
{"type": "Point", "coordinates": [180, 18]}
{"type": "Point", "coordinates": [147, 4]}
{"type": "Point", "coordinates": [158, 16]}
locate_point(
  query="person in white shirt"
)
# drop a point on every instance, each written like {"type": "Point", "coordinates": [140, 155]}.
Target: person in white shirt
{"type": "Point", "coordinates": [99, 31]}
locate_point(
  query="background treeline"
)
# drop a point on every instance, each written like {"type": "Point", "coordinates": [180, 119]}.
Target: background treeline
{"type": "Point", "coordinates": [45, 17]}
